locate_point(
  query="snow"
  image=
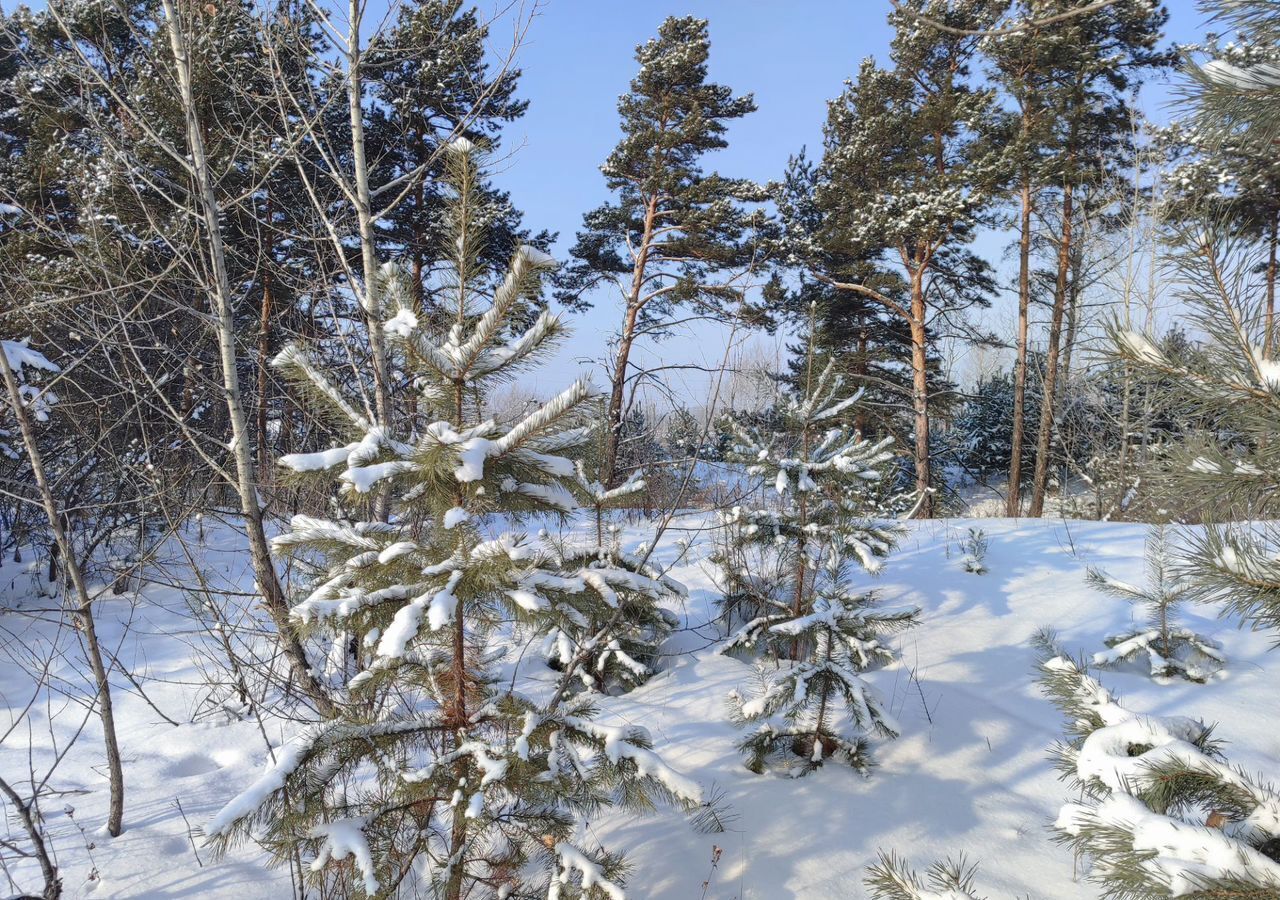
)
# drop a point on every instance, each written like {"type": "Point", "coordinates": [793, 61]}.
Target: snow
{"type": "Point", "coordinates": [439, 605]}
{"type": "Point", "coordinates": [554, 494]}
{"type": "Point", "coordinates": [473, 448]}
{"type": "Point", "coordinates": [1259, 77]}
{"type": "Point", "coordinates": [1184, 852]}
{"type": "Point", "coordinates": [460, 145]}
{"type": "Point", "coordinates": [574, 860]}
{"type": "Point", "coordinates": [365, 478]}
{"type": "Point", "coordinates": [969, 773]}
{"type": "Point", "coordinates": [285, 761]}
{"type": "Point", "coordinates": [1269, 372]}
{"type": "Point", "coordinates": [19, 355]}
{"type": "Point", "coordinates": [535, 257]}
{"type": "Point", "coordinates": [318, 461]}
{"type": "Point", "coordinates": [1141, 347]}
{"type": "Point", "coordinates": [343, 838]}
{"type": "Point", "coordinates": [402, 324]}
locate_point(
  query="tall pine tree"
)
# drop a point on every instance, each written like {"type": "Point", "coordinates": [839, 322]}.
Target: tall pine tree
{"type": "Point", "coordinates": [907, 175]}
{"type": "Point", "coordinates": [674, 235]}
{"type": "Point", "coordinates": [1091, 67]}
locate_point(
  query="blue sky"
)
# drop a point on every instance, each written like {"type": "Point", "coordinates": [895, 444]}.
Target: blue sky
{"type": "Point", "coordinates": [793, 56]}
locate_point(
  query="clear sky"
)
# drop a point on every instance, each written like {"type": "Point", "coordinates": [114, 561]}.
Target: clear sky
{"type": "Point", "coordinates": [793, 55]}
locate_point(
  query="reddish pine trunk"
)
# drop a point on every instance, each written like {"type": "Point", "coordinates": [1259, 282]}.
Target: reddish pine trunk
{"type": "Point", "coordinates": [920, 395]}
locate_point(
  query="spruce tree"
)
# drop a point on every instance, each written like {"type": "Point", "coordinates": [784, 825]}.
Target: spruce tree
{"type": "Point", "coordinates": [789, 573]}
{"type": "Point", "coordinates": [675, 235]}
{"type": "Point", "coordinates": [907, 176]}
{"type": "Point", "coordinates": [983, 435]}
{"type": "Point", "coordinates": [435, 776]}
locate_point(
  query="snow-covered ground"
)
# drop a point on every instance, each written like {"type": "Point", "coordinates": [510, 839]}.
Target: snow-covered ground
{"type": "Point", "coordinates": [969, 775]}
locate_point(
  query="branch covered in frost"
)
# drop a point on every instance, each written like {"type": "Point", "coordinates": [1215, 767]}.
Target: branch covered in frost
{"type": "Point", "coordinates": [1162, 813]}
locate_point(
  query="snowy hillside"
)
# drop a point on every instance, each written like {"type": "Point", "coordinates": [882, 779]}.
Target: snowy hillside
{"type": "Point", "coordinates": [969, 775]}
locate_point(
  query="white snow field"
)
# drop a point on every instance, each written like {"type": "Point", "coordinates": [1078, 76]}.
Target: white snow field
{"type": "Point", "coordinates": [970, 774]}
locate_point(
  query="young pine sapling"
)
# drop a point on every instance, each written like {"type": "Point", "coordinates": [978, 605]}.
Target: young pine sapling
{"type": "Point", "coordinates": [789, 575]}
{"type": "Point", "coordinates": [1170, 649]}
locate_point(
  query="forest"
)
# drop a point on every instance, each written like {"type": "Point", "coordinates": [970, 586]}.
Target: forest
{"type": "Point", "coordinates": [895, 523]}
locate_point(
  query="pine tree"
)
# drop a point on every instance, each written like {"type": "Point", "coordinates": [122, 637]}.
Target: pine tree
{"type": "Point", "coordinates": [892, 878]}
{"type": "Point", "coordinates": [1171, 649]}
{"type": "Point", "coordinates": [675, 235]}
{"type": "Point", "coordinates": [432, 79]}
{"type": "Point", "coordinates": [611, 634]}
{"type": "Point", "coordinates": [789, 574]}
{"type": "Point", "coordinates": [1237, 89]}
{"type": "Point", "coordinates": [870, 346]}
{"type": "Point", "coordinates": [1233, 383]}
{"type": "Point", "coordinates": [1230, 177]}
{"type": "Point", "coordinates": [1234, 388]}
{"type": "Point", "coordinates": [974, 546]}
{"type": "Point", "coordinates": [1021, 67]}
{"type": "Point", "coordinates": [1094, 63]}
{"type": "Point", "coordinates": [1162, 813]}
{"type": "Point", "coordinates": [907, 175]}
{"type": "Point", "coordinates": [435, 776]}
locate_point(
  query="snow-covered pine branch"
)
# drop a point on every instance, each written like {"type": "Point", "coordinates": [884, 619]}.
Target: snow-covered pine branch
{"type": "Point", "coordinates": [892, 878]}
{"type": "Point", "coordinates": [1162, 813]}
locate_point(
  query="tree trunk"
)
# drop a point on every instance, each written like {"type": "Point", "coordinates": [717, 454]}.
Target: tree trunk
{"type": "Point", "coordinates": [370, 301]}
{"type": "Point", "coordinates": [861, 367]}
{"type": "Point", "coordinates": [613, 437]}
{"type": "Point", "coordinates": [264, 376]}
{"type": "Point", "coordinates": [264, 572]}
{"type": "Point", "coordinates": [920, 396]}
{"type": "Point", "coordinates": [1076, 279]}
{"type": "Point", "coordinates": [1013, 499]}
{"type": "Point", "coordinates": [419, 239]}
{"type": "Point", "coordinates": [82, 613]}
{"type": "Point", "coordinates": [52, 883]}
{"type": "Point", "coordinates": [1040, 482]}
{"type": "Point", "coordinates": [458, 826]}
{"type": "Point", "coordinates": [609, 470]}
{"type": "Point", "coordinates": [802, 558]}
